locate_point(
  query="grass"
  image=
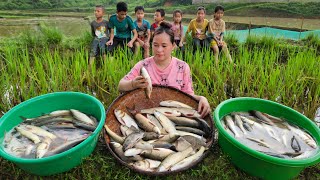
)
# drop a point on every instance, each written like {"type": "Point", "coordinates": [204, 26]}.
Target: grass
{"type": "Point", "coordinates": [265, 69]}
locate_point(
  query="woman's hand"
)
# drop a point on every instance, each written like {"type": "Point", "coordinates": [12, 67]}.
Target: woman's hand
{"type": "Point", "coordinates": [203, 107]}
{"type": "Point", "coordinates": [139, 82]}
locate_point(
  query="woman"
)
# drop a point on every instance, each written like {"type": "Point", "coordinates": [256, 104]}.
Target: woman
{"type": "Point", "coordinates": [164, 69]}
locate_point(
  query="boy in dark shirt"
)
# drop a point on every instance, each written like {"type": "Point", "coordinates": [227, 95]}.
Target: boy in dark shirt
{"type": "Point", "coordinates": [158, 18]}
{"type": "Point", "coordinates": [100, 32]}
{"type": "Point", "coordinates": [124, 26]}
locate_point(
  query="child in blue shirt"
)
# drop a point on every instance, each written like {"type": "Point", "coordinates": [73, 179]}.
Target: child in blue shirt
{"type": "Point", "coordinates": [143, 30]}
{"type": "Point", "coordinates": [124, 26]}
{"type": "Point", "coordinates": [100, 32]}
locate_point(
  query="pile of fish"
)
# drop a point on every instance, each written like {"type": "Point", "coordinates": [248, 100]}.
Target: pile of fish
{"type": "Point", "coordinates": [160, 139]}
{"type": "Point", "coordinates": [49, 134]}
{"type": "Point", "coordinates": [270, 135]}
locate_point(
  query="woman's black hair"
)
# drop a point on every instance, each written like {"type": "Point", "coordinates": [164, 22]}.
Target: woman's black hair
{"type": "Point", "coordinates": [201, 8]}
{"type": "Point", "coordinates": [218, 8]}
{"type": "Point", "coordinates": [122, 6]}
{"type": "Point", "coordinates": [165, 27]}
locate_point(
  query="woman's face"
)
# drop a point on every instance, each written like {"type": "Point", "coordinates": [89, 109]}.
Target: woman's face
{"type": "Point", "coordinates": [162, 47]}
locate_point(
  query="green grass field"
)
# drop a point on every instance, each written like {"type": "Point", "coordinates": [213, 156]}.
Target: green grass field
{"type": "Point", "coordinates": [265, 68]}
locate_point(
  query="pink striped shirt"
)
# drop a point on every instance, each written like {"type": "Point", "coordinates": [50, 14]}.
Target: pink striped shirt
{"type": "Point", "coordinates": [176, 75]}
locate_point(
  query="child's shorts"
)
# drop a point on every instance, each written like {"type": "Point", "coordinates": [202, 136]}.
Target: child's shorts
{"type": "Point", "coordinates": [98, 47]}
{"type": "Point", "coordinates": [214, 43]}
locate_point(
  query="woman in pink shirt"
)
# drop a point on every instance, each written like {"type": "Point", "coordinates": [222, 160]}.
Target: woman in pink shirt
{"type": "Point", "coordinates": [164, 69]}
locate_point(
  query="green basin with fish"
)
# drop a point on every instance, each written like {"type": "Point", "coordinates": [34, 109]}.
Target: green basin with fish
{"type": "Point", "coordinates": [256, 163]}
{"type": "Point", "coordinates": [45, 104]}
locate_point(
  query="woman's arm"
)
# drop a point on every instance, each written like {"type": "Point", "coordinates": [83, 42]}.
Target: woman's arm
{"type": "Point", "coordinates": [128, 85]}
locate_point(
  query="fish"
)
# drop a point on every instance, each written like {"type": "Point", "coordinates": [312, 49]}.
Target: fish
{"type": "Point", "coordinates": [82, 117]}
{"type": "Point", "coordinates": [261, 117]}
{"type": "Point", "coordinates": [84, 126]}
{"type": "Point", "coordinates": [162, 144]}
{"type": "Point", "coordinates": [114, 136]}
{"type": "Point", "coordinates": [28, 135]}
{"type": "Point", "coordinates": [131, 140]}
{"type": "Point", "coordinates": [183, 133]}
{"type": "Point", "coordinates": [181, 144]}
{"type": "Point", "coordinates": [157, 153]}
{"type": "Point", "coordinates": [43, 147]}
{"type": "Point", "coordinates": [38, 131]}
{"type": "Point", "coordinates": [204, 126]}
{"type": "Point", "coordinates": [184, 121]}
{"type": "Point", "coordinates": [132, 152]}
{"type": "Point", "coordinates": [173, 159]}
{"type": "Point", "coordinates": [231, 126]}
{"type": "Point", "coordinates": [191, 130]}
{"type": "Point", "coordinates": [189, 160]}
{"type": "Point", "coordinates": [304, 155]}
{"type": "Point", "coordinates": [155, 121]}
{"type": "Point", "coordinates": [151, 135]}
{"type": "Point", "coordinates": [65, 146]}
{"type": "Point", "coordinates": [169, 137]}
{"type": "Point", "coordinates": [239, 123]}
{"type": "Point", "coordinates": [126, 131]}
{"type": "Point", "coordinates": [118, 149]}
{"type": "Point", "coordinates": [295, 144]}
{"type": "Point", "coordinates": [61, 113]}
{"type": "Point", "coordinates": [146, 124]}
{"type": "Point", "coordinates": [176, 104]}
{"type": "Point", "coordinates": [259, 141]}
{"type": "Point", "coordinates": [304, 136]}
{"type": "Point", "coordinates": [144, 73]}
{"type": "Point", "coordinates": [165, 122]}
{"type": "Point", "coordinates": [125, 119]}
{"type": "Point", "coordinates": [146, 164]}
{"type": "Point", "coordinates": [195, 142]}
{"type": "Point", "coordinates": [52, 120]}
{"type": "Point", "coordinates": [188, 112]}
{"type": "Point", "coordinates": [143, 145]}
{"type": "Point", "coordinates": [271, 132]}
{"type": "Point", "coordinates": [164, 110]}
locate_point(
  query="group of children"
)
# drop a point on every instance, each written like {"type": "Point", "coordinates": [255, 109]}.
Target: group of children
{"type": "Point", "coordinates": [139, 33]}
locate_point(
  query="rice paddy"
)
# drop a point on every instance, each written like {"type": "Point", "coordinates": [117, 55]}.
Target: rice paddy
{"type": "Point", "coordinates": [264, 67]}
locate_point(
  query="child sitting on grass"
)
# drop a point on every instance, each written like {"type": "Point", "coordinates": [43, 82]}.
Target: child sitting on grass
{"type": "Point", "coordinates": [143, 30]}
{"type": "Point", "coordinates": [100, 32]}
{"type": "Point", "coordinates": [216, 30]}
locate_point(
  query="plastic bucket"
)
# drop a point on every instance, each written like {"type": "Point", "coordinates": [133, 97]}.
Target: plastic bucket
{"type": "Point", "coordinates": [44, 104]}
{"type": "Point", "coordinates": [256, 163]}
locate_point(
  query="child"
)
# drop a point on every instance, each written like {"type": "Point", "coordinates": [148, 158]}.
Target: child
{"type": "Point", "coordinates": [143, 30]}
{"type": "Point", "coordinates": [100, 32]}
{"type": "Point", "coordinates": [164, 69]}
{"type": "Point", "coordinates": [124, 26]}
{"type": "Point", "coordinates": [216, 31]}
{"type": "Point", "coordinates": [158, 18]}
{"type": "Point", "coordinates": [198, 29]}
{"type": "Point", "coordinates": [177, 29]}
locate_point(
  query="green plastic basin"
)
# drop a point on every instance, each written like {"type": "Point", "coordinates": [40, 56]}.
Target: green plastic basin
{"type": "Point", "coordinates": [256, 163]}
{"type": "Point", "coordinates": [44, 104]}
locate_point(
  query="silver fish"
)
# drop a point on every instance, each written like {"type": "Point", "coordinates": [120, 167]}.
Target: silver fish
{"type": "Point", "coordinates": [239, 123]}
{"type": "Point", "coordinates": [43, 147]}
{"type": "Point", "coordinates": [65, 146]}
{"type": "Point", "coordinates": [143, 145]}
{"type": "Point", "coordinates": [146, 124]}
{"type": "Point", "coordinates": [155, 121]}
{"type": "Point", "coordinates": [113, 135]}
{"type": "Point", "coordinates": [232, 126]}
{"type": "Point", "coordinates": [131, 140]}
{"type": "Point", "coordinates": [125, 119]}
{"type": "Point", "coordinates": [118, 149]}
{"type": "Point", "coordinates": [157, 153]}
{"type": "Point", "coordinates": [165, 122]}
{"type": "Point", "coordinates": [145, 74]}
{"type": "Point", "coordinates": [186, 162]}
{"type": "Point", "coordinates": [173, 159]}
{"type": "Point", "coordinates": [61, 113]}
{"type": "Point", "coordinates": [304, 136]}
{"type": "Point", "coordinates": [126, 131]}
{"type": "Point", "coordinates": [196, 143]}
{"type": "Point", "coordinates": [188, 112]}
{"type": "Point", "coordinates": [146, 164]}
{"type": "Point", "coordinates": [176, 104]}
{"type": "Point", "coordinates": [164, 110]}
{"type": "Point", "coordinates": [262, 117]}
{"type": "Point", "coordinates": [28, 134]}
{"type": "Point", "coordinates": [38, 131]}
{"type": "Point", "coordinates": [181, 144]}
{"type": "Point", "coordinates": [190, 130]}
{"type": "Point", "coordinates": [132, 152]}
{"type": "Point", "coordinates": [184, 121]}
{"type": "Point", "coordinates": [82, 117]}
